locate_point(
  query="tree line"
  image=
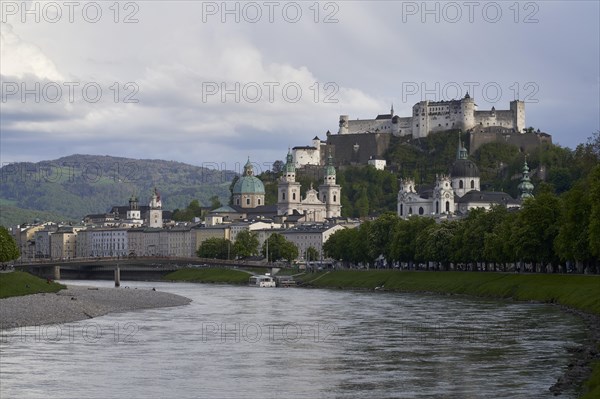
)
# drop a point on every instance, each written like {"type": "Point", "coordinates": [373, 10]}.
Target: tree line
{"type": "Point", "coordinates": [246, 244]}
{"type": "Point", "coordinates": [546, 234]}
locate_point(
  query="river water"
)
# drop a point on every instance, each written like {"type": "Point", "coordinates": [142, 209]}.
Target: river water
{"type": "Point", "coordinates": [234, 342]}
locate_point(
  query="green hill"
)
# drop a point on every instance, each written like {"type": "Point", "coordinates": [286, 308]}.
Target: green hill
{"type": "Point", "coordinates": [73, 186]}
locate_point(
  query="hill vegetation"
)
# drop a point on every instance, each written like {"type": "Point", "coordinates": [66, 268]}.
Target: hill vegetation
{"type": "Point", "coordinates": [74, 186]}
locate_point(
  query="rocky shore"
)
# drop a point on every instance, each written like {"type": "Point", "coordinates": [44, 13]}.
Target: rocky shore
{"type": "Point", "coordinates": [80, 303]}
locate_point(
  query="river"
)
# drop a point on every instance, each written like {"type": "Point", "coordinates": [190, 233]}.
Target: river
{"type": "Point", "coordinates": [234, 342]}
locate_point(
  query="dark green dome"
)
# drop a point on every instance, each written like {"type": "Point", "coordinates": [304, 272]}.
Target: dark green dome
{"type": "Point", "coordinates": [248, 183]}
{"type": "Point", "coordinates": [464, 168]}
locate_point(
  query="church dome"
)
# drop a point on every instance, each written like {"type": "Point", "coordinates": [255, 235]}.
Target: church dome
{"type": "Point", "coordinates": [464, 168]}
{"type": "Point", "coordinates": [248, 183]}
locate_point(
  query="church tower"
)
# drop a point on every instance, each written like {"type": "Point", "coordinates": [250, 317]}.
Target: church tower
{"type": "Point", "coordinates": [464, 172]}
{"type": "Point", "coordinates": [443, 196]}
{"type": "Point", "coordinates": [155, 213]}
{"type": "Point", "coordinates": [526, 187]}
{"type": "Point", "coordinates": [288, 190]}
{"type": "Point", "coordinates": [330, 192]}
{"type": "Point", "coordinates": [134, 213]}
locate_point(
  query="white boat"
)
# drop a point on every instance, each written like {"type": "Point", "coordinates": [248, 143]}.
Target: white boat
{"type": "Point", "coordinates": [262, 281]}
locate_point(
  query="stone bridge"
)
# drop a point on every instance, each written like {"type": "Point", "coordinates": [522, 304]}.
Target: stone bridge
{"type": "Point", "coordinates": [140, 268]}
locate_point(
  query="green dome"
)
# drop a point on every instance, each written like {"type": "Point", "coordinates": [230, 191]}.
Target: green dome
{"type": "Point", "coordinates": [248, 183]}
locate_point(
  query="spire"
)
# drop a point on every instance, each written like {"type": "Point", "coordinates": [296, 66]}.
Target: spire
{"type": "Point", "coordinates": [289, 164]}
{"type": "Point", "coordinates": [461, 152]}
{"type": "Point", "coordinates": [392, 110]}
{"type": "Point", "coordinates": [248, 168]}
{"type": "Point", "coordinates": [329, 169]}
{"type": "Point", "coordinates": [526, 187]}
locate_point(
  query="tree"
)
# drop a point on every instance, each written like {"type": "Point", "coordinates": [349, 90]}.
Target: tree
{"type": "Point", "coordinates": [380, 237]}
{"type": "Point", "coordinates": [191, 211]}
{"type": "Point", "coordinates": [312, 254]}
{"type": "Point", "coordinates": [235, 180]}
{"type": "Point", "coordinates": [404, 245]}
{"type": "Point", "coordinates": [536, 229]}
{"type": "Point", "coordinates": [572, 243]}
{"type": "Point", "coordinates": [434, 243]}
{"type": "Point", "coordinates": [277, 167]}
{"type": "Point", "coordinates": [594, 228]}
{"type": "Point", "coordinates": [215, 202]}
{"type": "Point", "coordinates": [339, 245]}
{"type": "Point", "coordinates": [8, 247]}
{"type": "Point", "coordinates": [246, 243]}
{"type": "Point", "coordinates": [279, 248]}
{"type": "Point", "coordinates": [216, 248]}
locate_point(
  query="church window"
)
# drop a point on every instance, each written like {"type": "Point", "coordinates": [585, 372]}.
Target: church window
{"type": "Point", "coordinates": [421, 211]}
{"type": "Point", "coordinates": [294, 196]}
{"type": "Point", "coordinates": [324, 198]}
{"type": "Point", "coordinates": [437, 207]}
{"type": "Point", "coordinates": [259, 201]}
{"type": "Point", "coordinates": [334, 198]}
{"type": "Point", "coordinates": [447, 206]}
{"type": "Point", "coordinates": [237, 201]}
{"type": "Point", "coordinates": [472, 183]}
{"type": "Point", "coordinates": [410, 210]}
{"type": "Point", "coordinates": [401, 209]}
{"type": "Point", "coordinates": [247, 201]}
{"type": "Point", "coordinates": [460, 184]}
{"type": "Point", "coordinates": [283, 196]}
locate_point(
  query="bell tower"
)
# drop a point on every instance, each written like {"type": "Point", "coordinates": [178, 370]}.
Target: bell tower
{"type": "Point", "coordinates": [288, 190]}
{"type": "Point", "coordinates": [155, 213]}
{"type": "Point", "coordinates": [330, 192]}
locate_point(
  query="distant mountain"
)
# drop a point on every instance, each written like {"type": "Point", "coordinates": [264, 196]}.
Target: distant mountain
{"type": "Point", "coordinates": [77, 185]}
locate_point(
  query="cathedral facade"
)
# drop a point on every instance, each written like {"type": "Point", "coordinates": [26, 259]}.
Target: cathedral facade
{"type": "Point", "coordinates": [316, 206]}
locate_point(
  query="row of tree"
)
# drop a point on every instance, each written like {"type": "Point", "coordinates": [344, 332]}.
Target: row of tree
{"type": "Point", "coordinates": [276, 247]}
{"type": "Point", "coordinates": [546, 232]}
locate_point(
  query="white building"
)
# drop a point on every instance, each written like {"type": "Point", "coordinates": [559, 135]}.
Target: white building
{"type": "Point", "coordinates": [305, 236]}
{"type": "Point", "coordinates": [379, 164]}
{"type": "Point", "coordinates": [452, 195]}
{"type": "Point", "coordinates": [309, 155]}
{"type": "Point", "coordinates": [435, 116]}
{"type": "Point", "coordinates": [106, 242]}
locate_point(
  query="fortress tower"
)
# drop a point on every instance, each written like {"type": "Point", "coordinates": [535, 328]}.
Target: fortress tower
{"type": "Point", "coordinates": [517, 108]}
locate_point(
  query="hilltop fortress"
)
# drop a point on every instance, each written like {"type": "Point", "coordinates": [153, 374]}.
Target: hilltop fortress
{"type": "Point", "coordinates": [363, 141]}
{"type": "Point", "coordinates": [429, 117]}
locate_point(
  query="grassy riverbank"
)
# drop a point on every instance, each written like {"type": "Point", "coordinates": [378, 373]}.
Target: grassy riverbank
{"type": "Point", "coordinates": [579, 292]}
{"type": "Point", "coordinates": [21, 283]}
{"type": "Point", "coordinates": [209, 275]}
{"type": "Point", "coordinates": [574, 291]}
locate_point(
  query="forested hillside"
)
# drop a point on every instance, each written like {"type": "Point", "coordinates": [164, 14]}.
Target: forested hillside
{"type": "Point", "coordinates": [77, 185]}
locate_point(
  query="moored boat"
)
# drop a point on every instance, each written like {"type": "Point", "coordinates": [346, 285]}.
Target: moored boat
{"type": "Point", "coordinates": [262, 281]}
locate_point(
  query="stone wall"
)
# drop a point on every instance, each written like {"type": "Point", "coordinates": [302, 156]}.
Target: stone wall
{"type": "Point", "coordinates": [525, 141]}
{"type": "Point", "coordinates": [357, 149]}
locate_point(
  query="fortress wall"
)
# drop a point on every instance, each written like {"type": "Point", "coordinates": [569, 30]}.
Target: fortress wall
{"type": "Point", "coordinates": [495, 118]}
{"type": "Point", "coordinates": [369, 125]}
{"type": "Point", "coordinates": [525, 141]}
{"type": "Point", "coordinates": [369, 145]}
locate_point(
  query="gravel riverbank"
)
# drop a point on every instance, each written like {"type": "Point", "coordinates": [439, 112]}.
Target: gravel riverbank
{"type": "Point", "coordinates": [80, 303]}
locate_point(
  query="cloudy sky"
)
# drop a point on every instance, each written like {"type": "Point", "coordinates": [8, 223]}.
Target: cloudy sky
{"type": "Point", "coordinates": [211, 83]}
